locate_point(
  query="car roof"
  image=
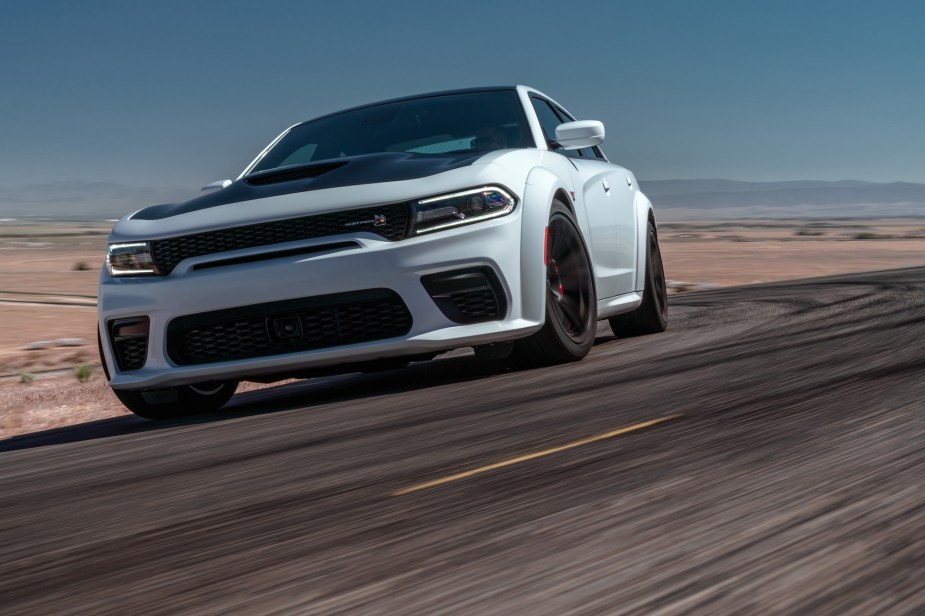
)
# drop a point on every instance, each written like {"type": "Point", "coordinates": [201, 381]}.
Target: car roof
{"type": "Point", "coordinates": [417, 96]}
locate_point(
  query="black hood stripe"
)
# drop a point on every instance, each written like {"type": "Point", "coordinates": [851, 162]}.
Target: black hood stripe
{"type": "Point", "coordinates": [350, 171]}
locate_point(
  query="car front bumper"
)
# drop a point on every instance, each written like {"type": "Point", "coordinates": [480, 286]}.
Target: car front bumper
{"type": "Point", "coordinates": [372, 263]}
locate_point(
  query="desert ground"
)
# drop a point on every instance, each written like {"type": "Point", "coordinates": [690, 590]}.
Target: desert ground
{"type": "Point", "coordinates": [50, 374]}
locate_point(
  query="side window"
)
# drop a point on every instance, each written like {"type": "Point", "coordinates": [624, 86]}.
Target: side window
{"type": "Point", "coordinates": [548, 118]}
{"type": "Point", "coordinates": [587, 152]}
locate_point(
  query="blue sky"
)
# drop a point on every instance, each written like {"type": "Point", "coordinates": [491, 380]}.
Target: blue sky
{"type": "Point", "coordinates": [183, 93]}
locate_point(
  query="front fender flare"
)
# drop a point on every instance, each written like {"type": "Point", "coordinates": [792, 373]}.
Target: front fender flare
{"type": "Point", "coordinates": [539, 192]}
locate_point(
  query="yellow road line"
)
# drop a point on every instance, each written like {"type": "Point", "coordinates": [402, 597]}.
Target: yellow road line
{"type": "Point", "coordinates": [534, 455]}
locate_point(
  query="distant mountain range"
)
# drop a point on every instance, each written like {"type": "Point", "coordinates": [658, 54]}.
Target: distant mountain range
{"type": "Point", "coordinates": [673, 199]}
{"type": "Point", "coordinates": [687, 199]}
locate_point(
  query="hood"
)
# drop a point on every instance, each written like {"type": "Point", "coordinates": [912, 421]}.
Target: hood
{"type": "Point", "coordinates": [334, 173]}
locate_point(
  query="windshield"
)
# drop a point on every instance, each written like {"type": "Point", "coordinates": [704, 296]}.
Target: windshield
{"type": "Point", "coordinates": [478, 121]}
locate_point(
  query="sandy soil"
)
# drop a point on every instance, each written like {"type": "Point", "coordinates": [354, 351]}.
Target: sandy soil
{"type": "Point", "coordinates": [49, 272]}
{"type": "Point", "coordinates": [735, 253]}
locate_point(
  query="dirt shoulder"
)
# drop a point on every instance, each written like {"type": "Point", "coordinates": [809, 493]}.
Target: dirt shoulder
{"type": "Point", "coordinates": [49, 274]}
{"type": "Point", "coordinates": [726, 253]}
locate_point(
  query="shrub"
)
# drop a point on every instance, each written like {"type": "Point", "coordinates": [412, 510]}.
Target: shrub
{"type": "Point", "coordinates": [26, 377]}
{"type": "Point", "coordinates": [84, 372]}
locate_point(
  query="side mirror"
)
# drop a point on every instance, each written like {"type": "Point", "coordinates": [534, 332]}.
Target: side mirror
{"type": "Point", "coordinates": [580, 134]}
{"type": "Point", "coordinates": [217, 185]}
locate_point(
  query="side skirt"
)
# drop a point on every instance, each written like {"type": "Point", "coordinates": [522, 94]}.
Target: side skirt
{"type": "Point", "coordinates": [618, 304]}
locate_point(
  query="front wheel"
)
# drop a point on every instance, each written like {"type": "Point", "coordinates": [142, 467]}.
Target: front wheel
{"type": "Point", "coordinates": [177, 401]}
{"type": "Point", "coordinates": [571, 301]}
{"type": "Point", "coordinates": [651, 316]}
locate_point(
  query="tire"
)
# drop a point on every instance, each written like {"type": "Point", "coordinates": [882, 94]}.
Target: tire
{"type": "Point", "coordinates": [651, 317]}
{"type": "Point", "coordinates": [571, 301]}
{"type": "Point", "coordinates": [173, 401]}
{"type": "Point", "coordinates": [177, 401]}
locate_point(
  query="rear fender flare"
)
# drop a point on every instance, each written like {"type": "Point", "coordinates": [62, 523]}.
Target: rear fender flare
{"type": "Point", "coordinates": [644, 212]}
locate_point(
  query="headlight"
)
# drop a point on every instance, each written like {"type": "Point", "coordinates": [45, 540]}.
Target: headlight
{"type": "Point", "coordinates": [132, 259]}
{"type": "Point", "coordinates": [460, 208]}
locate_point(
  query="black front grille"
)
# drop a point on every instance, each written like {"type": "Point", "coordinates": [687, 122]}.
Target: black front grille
{"type": "Point", "coordinates": [288, 326]}
{"type": "Point", "coordinates": [387, 221]}
{"type": "Point", "coordinates": [471, 295]}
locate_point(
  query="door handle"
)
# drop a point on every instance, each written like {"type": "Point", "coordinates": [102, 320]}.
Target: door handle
{"type": "Point", "coordinates": [606, 186]}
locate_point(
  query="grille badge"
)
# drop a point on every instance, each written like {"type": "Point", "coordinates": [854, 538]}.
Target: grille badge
{"type": "Point", "coordinates": [377, 220]}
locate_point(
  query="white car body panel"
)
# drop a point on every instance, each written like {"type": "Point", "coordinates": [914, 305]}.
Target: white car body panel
{"type": "Point", "coordinates": [610, 212]}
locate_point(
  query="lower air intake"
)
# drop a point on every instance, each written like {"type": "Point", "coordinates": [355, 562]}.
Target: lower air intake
{"type": "Point", "coordinates": [288, 326]}
{"type": "Point", "coordinates": [130, 341]}
{"type": "Point", "coordinates": [472, 295]}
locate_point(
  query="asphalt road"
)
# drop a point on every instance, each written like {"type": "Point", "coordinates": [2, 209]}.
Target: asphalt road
{"type": "Point", "coordinates": [788, 475]}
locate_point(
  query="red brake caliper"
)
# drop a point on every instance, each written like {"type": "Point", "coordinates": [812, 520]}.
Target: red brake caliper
{"type": "Point", "coordinates": [546, 246]}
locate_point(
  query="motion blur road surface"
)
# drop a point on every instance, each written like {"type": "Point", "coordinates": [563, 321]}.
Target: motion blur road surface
{"type": "Point", "coordinates": [788, 475]}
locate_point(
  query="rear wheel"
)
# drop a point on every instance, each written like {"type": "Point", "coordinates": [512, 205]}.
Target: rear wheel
{"type": "Point", "coordinates": [571, 302]}
{"type": "Point", "coordinates": [651, 316]}
{"type": "Point", "coordinates": [177, 401]}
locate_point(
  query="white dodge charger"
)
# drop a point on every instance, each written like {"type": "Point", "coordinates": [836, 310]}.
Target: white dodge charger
{"type": "Point", "coordinates": [379, 235]}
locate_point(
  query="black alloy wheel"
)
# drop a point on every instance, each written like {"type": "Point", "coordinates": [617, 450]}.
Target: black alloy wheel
{"type": "Point", "coordinates": [571, 301]}
{"type": "Point", "coordinates": [651, 317]}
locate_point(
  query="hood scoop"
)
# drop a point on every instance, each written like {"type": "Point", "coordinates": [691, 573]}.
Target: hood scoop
{"type": "Point", "coordinates": [287, 174]}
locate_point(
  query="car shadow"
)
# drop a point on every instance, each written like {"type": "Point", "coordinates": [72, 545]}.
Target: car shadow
{"type": "Point", "coordinates": [288, 396]}
{"type": "Point", "coordinates": [457, 367]}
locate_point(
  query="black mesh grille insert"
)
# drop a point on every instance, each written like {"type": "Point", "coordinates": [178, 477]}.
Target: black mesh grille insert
{"type": "Point", "coordinates": [477, 304]}
{"type": "Point", "coordinates": [471, 295]}
{"type": "Point", "coordinates": [131, 353]}
{"type": "Point", "coordinates": [387, 221]}
{"type": "Point", "coordinates": [130, 341]}
{"type": "Point", "coordinates": [288, 326]}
